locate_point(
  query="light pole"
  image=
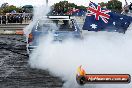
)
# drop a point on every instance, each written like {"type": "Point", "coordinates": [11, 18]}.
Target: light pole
{"type": "Point", "coordinates": [126, 2]}
{"type": "Point", "coordinates": [46, 2]}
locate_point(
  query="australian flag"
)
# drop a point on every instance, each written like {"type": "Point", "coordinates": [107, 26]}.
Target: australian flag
{"type": "Point", "coordinates": [102, 19]}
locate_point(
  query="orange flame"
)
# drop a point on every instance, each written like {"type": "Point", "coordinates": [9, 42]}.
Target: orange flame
{"type": "Point", "coordinates": [81, 71]}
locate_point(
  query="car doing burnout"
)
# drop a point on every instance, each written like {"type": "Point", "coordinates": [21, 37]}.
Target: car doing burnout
{"type": "Point", "coordinates": [62, 27]}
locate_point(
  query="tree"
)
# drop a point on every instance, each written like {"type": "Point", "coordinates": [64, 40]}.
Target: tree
{"type": "Point", "coordinates": [10, 8]}
{"type": "Point", "coordinates": [81, 7]}
{"type": "Point", "coordinates": [6, 8]}
{"type": "Point", "coordinates": [61, 7]}
{"type": "Point", "coordinates": [114, 5]}
{"type": "Point", "coordinates": [103, 4]}
{"type": "Point", "coordinates": [27, 8]}
{"type": "Point", "coordinates": [65, 6]}
{"type": "Point", "coordinates": [4, 5]}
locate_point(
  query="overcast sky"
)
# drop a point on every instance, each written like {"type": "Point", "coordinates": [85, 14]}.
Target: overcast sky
{"type": "Point", "coordinates": [51, 2]}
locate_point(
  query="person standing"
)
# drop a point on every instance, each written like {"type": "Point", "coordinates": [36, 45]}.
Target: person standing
{"type": "Point", "coordinates": [130, 8]}
{"type": "Point", "coordinates": [0, 20]}
{"type": "Point", "coordinates": [3, 19]}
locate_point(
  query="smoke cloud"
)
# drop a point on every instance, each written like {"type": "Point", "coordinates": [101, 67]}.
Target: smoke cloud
{"type": "Point", "coordinates": [98, 53]}
{"type": "Point", "coordinates": [39, 13]}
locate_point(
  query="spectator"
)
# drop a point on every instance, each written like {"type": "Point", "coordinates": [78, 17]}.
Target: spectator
{"type": "Point", "coordinates": [15, 18]}
{"type": "Point", "coordinates": [3, 19]}
{"type": "Point", "coordinates": [0, 19]}
{"type": "Point", "coordinates": [9, 18]}
{"type": "Point", "coordinates": [130, 7]}
{"type": "Point", "coordinates": [20, 19]}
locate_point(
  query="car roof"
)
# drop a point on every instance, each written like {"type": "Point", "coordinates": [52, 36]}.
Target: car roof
{"type": "Point", "coordinates": [57, 17]}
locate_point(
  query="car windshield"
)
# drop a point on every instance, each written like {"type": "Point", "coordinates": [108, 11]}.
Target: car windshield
{"type": "Point", "coordinates": [56, 24]}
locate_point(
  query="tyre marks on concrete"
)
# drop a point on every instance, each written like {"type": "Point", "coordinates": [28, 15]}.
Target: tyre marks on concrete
{"type": "Point", "coordinates": [14, 69]}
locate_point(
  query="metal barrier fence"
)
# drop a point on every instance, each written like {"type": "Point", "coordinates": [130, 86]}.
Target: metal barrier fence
{"type": "Point", "coordinates": [16, 18]}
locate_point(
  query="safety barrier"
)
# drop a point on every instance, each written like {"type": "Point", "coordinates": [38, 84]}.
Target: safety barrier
{"type": "Point", "coordinates": [12, 28]}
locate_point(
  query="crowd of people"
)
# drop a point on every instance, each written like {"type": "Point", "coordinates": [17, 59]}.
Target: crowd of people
{"type": "Point", "coordinates": [15, 18]}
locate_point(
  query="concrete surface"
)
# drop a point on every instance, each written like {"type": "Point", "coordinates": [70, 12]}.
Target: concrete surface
{"type": "Point", "coordinates": [15, 71]}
